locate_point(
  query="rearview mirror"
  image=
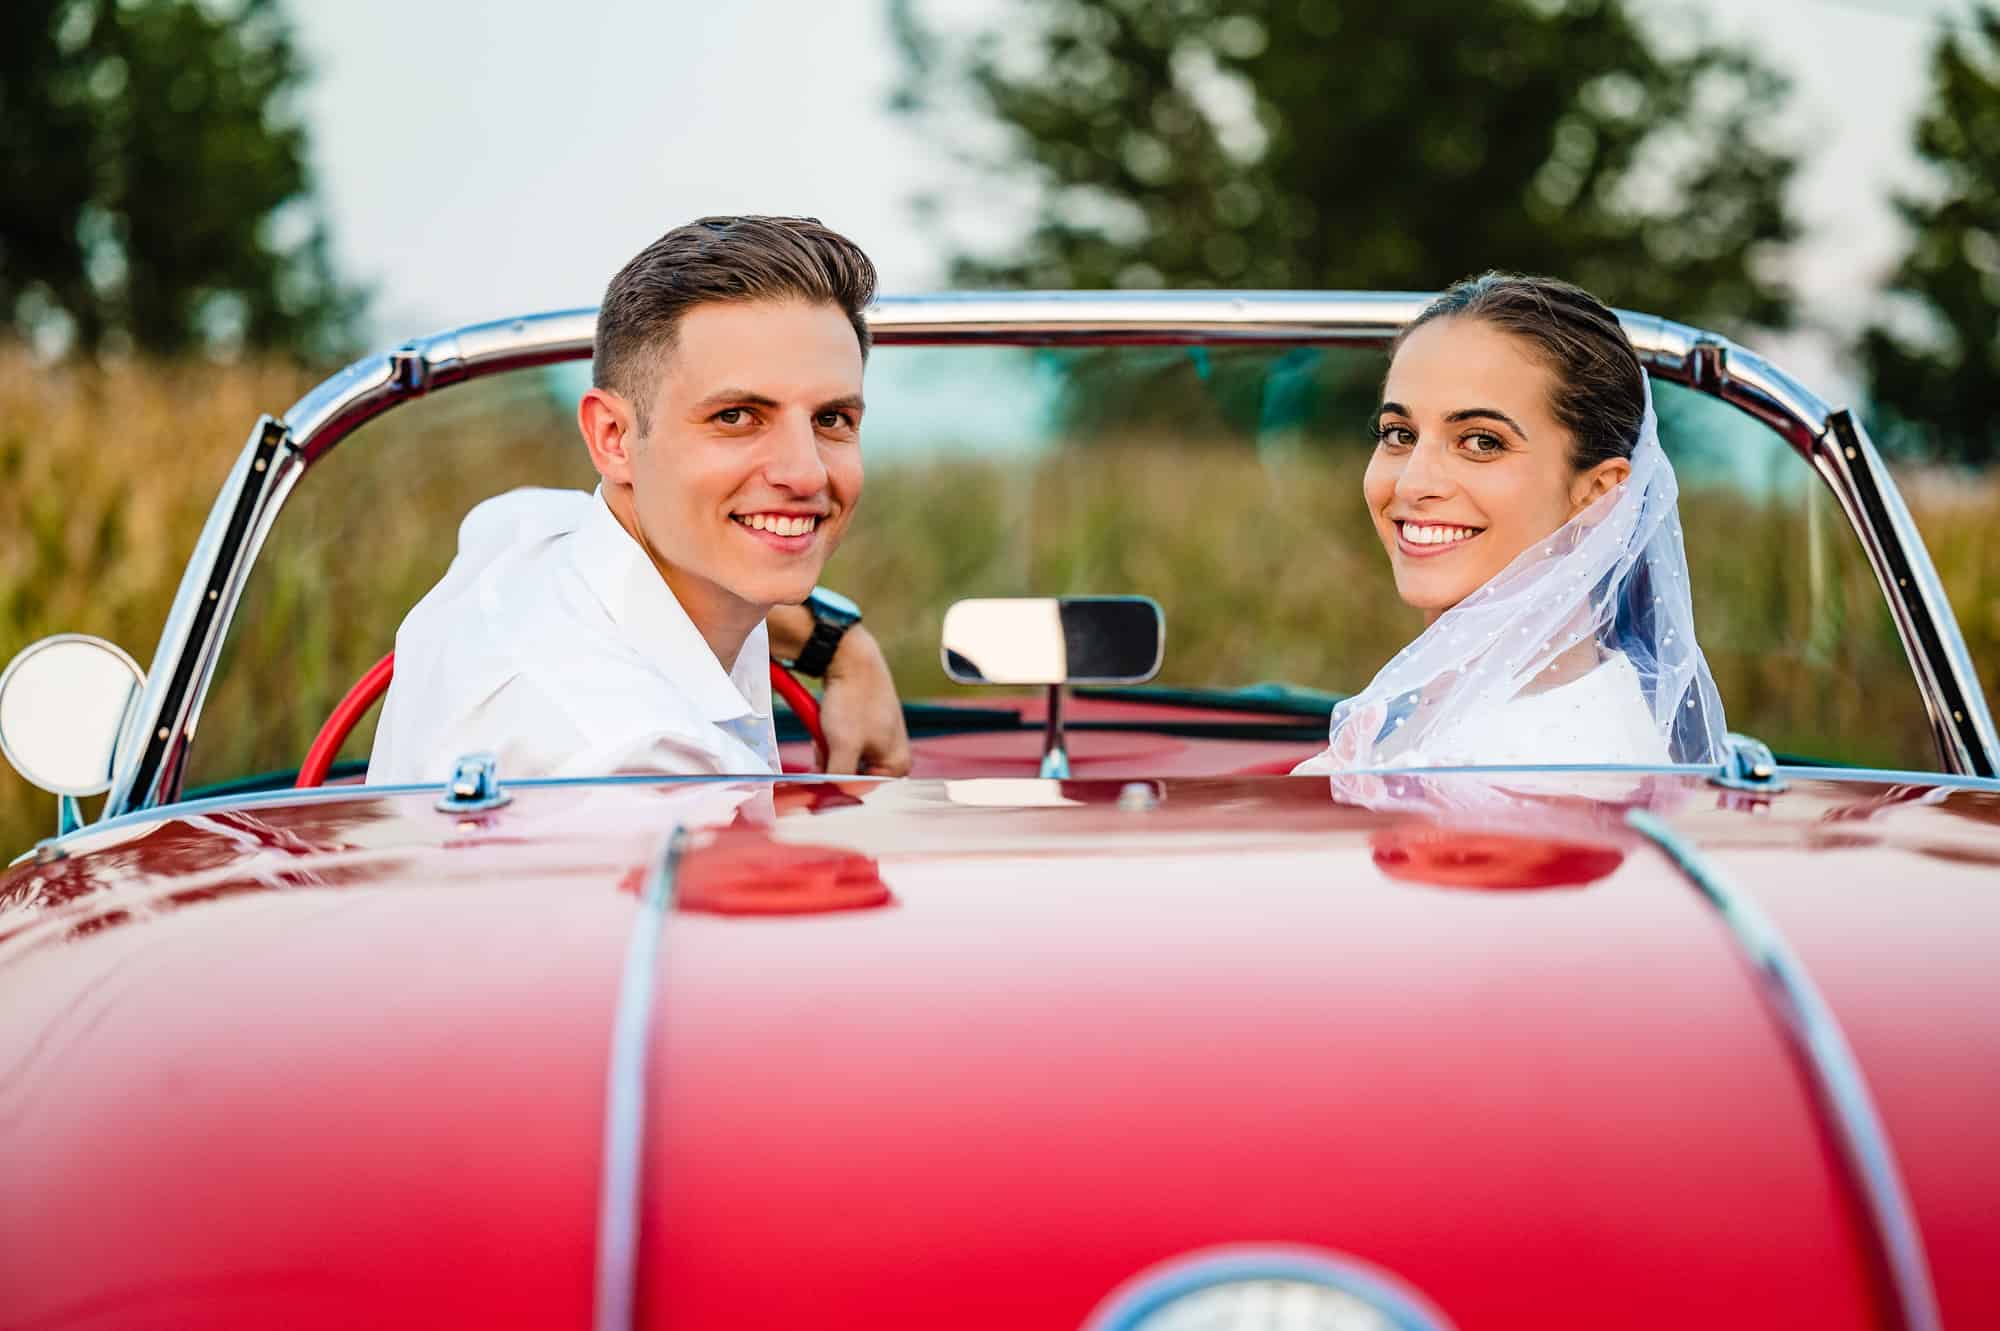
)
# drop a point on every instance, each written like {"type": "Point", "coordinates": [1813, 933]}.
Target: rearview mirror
{"type": "Point", "coordinates": [64, 703]}
{"type": "Point", "coordinates": [1054, 640]}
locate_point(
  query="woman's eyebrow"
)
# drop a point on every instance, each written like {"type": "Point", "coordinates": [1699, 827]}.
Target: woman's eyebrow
{"type": "Point", "coordinates": [1490, 414]}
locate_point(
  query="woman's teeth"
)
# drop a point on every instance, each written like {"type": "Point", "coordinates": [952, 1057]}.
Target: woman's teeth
{"type": "Point", "coordinates": [1417, 533]}
{"type": "Point", "coordinates": [778, 524]}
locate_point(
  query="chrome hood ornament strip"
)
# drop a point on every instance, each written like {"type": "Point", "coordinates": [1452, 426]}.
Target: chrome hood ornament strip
{"type": "Point", "coordinates": [622, 1190]}
{"type": "Point", "coordinates": [1845, 1105]}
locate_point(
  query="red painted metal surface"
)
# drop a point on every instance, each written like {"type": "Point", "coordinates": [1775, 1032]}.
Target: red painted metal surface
{"type": "Point", "coordinates": [341, 1061]}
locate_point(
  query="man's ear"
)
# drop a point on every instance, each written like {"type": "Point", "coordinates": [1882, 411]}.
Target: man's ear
{"type": "Point", "coordinates": [610, 430]}
{"type": "Point", "coordinates": [1600, 480]}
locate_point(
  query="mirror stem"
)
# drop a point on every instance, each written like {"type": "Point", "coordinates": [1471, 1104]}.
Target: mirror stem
{"type": "Point", "coordinates": [1055, 754]}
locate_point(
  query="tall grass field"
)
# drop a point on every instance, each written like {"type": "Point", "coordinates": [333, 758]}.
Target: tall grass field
{"type": "Point", "coordinates": [1264, 562]}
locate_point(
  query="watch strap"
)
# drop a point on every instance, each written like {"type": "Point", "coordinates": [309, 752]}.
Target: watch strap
{"type": "Point", "coordinates": [817, 654]}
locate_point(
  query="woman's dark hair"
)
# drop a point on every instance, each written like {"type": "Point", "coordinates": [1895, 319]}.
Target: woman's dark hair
{"type": "Point", "coordinates": [1599, 395]}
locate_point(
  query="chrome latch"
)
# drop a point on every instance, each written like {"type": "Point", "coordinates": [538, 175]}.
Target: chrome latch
{"type": "Point", "coordinates": [1708, 366]}
{"type": "Point", "coordinates": [474, 785]}
{"type": "Point", "coordinates": [408, 370]}
{"type": "Point", "coordinates": [1747, 764]}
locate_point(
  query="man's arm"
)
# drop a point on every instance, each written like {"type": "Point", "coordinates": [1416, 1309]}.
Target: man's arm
{"type": "Point", "coordinates": [859, 709]}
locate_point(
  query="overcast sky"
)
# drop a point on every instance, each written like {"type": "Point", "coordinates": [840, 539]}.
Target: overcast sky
{"type": "Point", "coordinates": [494, 158]}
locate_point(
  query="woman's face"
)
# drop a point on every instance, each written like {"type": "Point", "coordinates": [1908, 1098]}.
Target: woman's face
{"type": "Point", "coordinates": [1471, 466]}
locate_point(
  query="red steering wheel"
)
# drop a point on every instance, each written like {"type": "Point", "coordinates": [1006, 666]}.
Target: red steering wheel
{"type": "Point", "coordinates": [375, 682]}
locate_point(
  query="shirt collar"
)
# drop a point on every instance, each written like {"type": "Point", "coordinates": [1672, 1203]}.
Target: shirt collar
{"type": "Point", "coordinates": [622, 576]}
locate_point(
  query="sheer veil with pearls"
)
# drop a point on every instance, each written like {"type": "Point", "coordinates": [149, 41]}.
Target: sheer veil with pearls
{"type": "Point", "coordinates": [1612, 580]}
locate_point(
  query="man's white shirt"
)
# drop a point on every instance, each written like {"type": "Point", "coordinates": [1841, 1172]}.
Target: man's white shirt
{"type": "Point", "coordinates": [554, 643]}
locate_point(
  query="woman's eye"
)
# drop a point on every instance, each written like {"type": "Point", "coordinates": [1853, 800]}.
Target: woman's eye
{"type": "Point", "coordinates": [1394, 436]}
{"type": "Point", "coordinates": [1484, 445]}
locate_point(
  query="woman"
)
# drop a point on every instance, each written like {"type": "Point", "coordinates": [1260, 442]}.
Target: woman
{"type": "Point", "coordinates": [1519, 488]}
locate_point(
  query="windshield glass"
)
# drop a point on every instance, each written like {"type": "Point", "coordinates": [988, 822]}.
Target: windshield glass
{"type": "Point", "coordinates": [1223, 482]}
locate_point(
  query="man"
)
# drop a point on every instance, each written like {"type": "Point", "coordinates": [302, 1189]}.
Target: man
{"type": "Point", "coordinates": [631, 630]}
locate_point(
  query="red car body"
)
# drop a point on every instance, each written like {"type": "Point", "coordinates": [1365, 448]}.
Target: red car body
{"type": "Point", "coordinates": [973, 1054]}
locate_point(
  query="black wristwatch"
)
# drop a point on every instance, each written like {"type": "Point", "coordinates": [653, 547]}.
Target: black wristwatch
{"type": "Point", "coordinates": [833, 614]}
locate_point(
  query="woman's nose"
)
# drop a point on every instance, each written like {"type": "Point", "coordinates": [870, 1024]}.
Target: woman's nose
{"type": "Point", "coordinates": [1424, 475]}
{"type": "Point", "coordinates": [793, 462]}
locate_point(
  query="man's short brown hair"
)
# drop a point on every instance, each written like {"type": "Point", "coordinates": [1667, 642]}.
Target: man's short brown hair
{"type": "Point", "coordinates": [720, 259]}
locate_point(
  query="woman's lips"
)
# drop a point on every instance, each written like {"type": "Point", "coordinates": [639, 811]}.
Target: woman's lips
{"type": "Point", "coordinates": [1412, 550]}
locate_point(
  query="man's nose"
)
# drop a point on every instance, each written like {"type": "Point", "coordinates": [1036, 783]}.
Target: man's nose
{"type": "Point", "coordinates": [1424, 474]}
{"type": "Point", "coordinates": [793, 462]}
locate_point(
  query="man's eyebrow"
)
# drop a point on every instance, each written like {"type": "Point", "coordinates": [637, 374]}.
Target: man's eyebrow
{"type": "Point", "coordinates": [1488, 414]}
{"type": "Point", "coordinates": [740, 397]}
{"type": "Point", "coordinates": [835, 404]}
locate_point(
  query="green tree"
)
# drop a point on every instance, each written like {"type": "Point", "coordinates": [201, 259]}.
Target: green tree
{"type": "Point", "coordinates": [1364, 143]}
{"type": "Point", "coordinates": [1937, 388]}
{"type": "Point", "coordinates": [155, 178]}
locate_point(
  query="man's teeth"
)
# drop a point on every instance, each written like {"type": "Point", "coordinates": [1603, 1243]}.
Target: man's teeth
{"type": "Point", "coordinates": [1417, 533]}
{"type": "Point", "coordinates": [778, 524]}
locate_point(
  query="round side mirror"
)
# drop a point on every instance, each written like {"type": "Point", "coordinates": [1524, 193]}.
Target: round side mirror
{"type": "Point", "coordinates": [64, 703]}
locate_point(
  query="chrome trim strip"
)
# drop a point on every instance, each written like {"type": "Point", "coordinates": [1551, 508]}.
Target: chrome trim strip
{"type": "Point", "coordinates": [288, 795]}
{"type": "Point", "coordinates": [1839, 1089]}
{"type": "Point", "coordinates": [1947, 681]}
{"type": "Point", "coordinates": [178, 678]}
{"type": "Point", "coordinates": [1042, 318]}
{"type": "Point", "coordinates": [1890, 776]}
{"type": "Point", "coordinates": [191, 641]}
{"type": "Point", "coordinates": [625, 1096]}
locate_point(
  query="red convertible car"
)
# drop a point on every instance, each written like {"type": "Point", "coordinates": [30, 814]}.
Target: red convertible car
{"type": "Point", "coordinates": [1097, 1020]}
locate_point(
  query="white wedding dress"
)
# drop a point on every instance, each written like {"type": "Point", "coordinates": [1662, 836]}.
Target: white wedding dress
{"type": "Point", "coordinates": [1599, 717]}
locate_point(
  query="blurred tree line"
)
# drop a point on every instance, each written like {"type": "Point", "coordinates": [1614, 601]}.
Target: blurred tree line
{"type": "Point", "coordinates": [155, 179]}
{"type": "Point", "coordinates": [1936, 380]}
{"type": "Point", "coordinates": [158, 195]}
{"type": "Point", "coordinates": [1374, 144]}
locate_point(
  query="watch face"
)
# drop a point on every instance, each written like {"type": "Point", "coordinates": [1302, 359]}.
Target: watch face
{"type": "Point", "coordinates": [833, 608]}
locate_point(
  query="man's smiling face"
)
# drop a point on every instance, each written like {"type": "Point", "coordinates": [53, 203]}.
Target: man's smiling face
{"type": "Point", "coordinates": [749, 465]}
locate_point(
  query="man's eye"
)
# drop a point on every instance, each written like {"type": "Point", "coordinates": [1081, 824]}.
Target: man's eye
{"type": "Point", "coordinates": [833, 420]}
{"type": "Point", "coordinates": [732, 416]}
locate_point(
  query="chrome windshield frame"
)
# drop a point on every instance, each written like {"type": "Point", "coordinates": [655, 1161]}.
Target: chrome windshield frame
{"type": "Point", "coordinates": [281, 450]}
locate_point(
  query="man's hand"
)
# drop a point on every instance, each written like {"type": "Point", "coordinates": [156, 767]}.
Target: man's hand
{"type": "Point", "coordinates": [859, 709]}
{"type": "Point", "coordinates": [860, 712]}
